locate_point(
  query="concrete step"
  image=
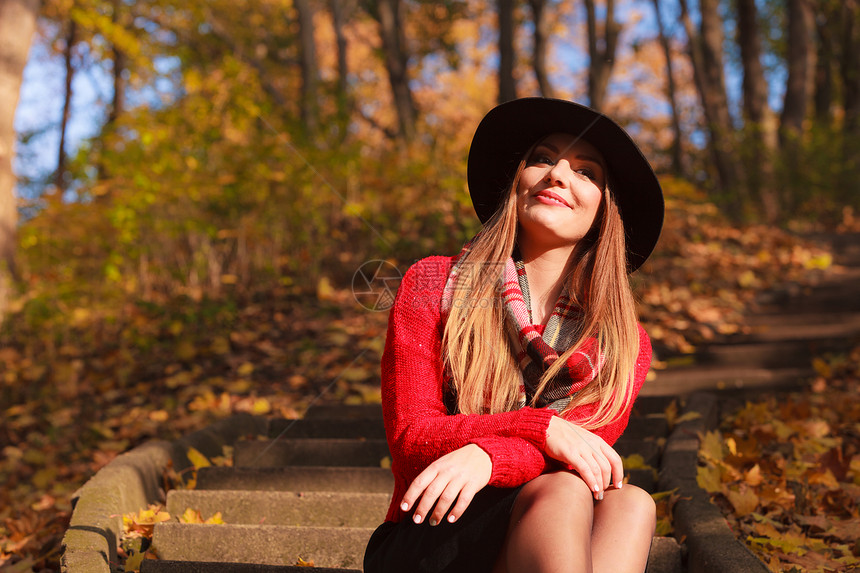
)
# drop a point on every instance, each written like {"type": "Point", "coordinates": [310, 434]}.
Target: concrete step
{"type": "Point", "coordinates": [648, 449]}
{"type": "Point", "coordinates": [310, 452]}
{"type": "Point", "coordinates": [367, 428]}
{"type": "Point", "coordinates": [683, 381]}
{"type": "Point", "coordinates": [820, 327]}
{"type": "Point", "coordinates": [163, 566]}
{"type": "Point", "coordinates": [345, 411]}
{"type": "Point", "coordinates": [644, 478]}
{"type": "Point", "coordinates": [640, 427]}
{"type": "Point", "coordinates": [336, 547]}
{"type": "Point", "coordinates": [646, 406]}
{"type": "Point", "coordinates": [780, 354]}
{"type": "Point", "coordinates": [309, 508]}
{"type": "Point", "coordinates": [299, 478]}
{"type": "Point", "coordinates": [665, 556]}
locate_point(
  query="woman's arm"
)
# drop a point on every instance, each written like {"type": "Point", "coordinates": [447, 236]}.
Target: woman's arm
{"type": "Point", "coordinates": [417, 424]}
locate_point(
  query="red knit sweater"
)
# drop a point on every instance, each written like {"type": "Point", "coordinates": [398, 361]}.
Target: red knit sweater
{"type": "Point", "coordinates": [417, 425]}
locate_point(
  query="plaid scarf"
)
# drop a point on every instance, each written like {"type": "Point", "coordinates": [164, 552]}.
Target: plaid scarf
{"type": "Point", "coordinates": [533, 351]}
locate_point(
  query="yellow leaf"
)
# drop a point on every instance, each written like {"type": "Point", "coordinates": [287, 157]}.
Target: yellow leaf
{"type": "Point", "coordinates": [150, 516]}
{"type": "Point", "coordinates": [822, 367]}
{"type": "Point", "coordinates": [325, 290]}
{"type": "Point", "coordinates": [745, 502]}
{"type": "Point", "coordinates": [158, 416]}
{"type": "Point", "coordinates": [634, 462]}
{"type": "Point", "coordinates": [245, 369]}
{"type": "Point", "coordinates": [753, 477]}
{"type": "Point", "coordinates": [197, 459]}
{"type": "Point", "coordinates": [687, 417]}
{"type": "Point", "coordinates": [215, 519]}
{"type": "Point", "coordinates": [711, 447]}
{"type": "Point", "coordinates": [302, 563]}
{"type": "Point", "coordinates": [261, 406]}
{"type": "Point", "coordinates": [190, 516]}
{"type": "Point", "coordinates": [220, 345]}
{"type": "Point", "coordinates": [732, 445]}
{"type": "Point", "coordinates": [746, 279]}
{"type": "Point", "coordinates": [708, 478]}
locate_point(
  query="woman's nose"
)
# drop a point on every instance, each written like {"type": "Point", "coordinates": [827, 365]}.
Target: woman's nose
{"type": "Point", "coordinates": [558, 173]}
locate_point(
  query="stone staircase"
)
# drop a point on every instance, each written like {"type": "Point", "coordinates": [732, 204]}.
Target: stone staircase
{"type": "Point", "coordinates": [318, 487]}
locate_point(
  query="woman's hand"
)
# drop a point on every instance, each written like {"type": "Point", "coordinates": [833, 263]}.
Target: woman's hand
{"type": "Point", "coordinates": [458, 475]}
{"type": "Point", "coordinates": [595, 461]}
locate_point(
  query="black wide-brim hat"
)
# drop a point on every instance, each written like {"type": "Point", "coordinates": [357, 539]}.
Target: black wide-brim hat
{"type": "Point", "coordinates": [508, 131]}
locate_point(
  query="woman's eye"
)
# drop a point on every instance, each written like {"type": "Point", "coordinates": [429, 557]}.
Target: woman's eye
{"type": "Point", "coordinates": [588, 173]}
{"type": "Point", "coordinates": [542, 159]}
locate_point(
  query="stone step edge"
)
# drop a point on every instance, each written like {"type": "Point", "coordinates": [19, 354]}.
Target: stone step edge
{"type": "Point", "coordinates": [260, 543]}
{"type": "Point", "coordinates": [132, 481]}
{"type": "Point", "coordinates": [711, 545]}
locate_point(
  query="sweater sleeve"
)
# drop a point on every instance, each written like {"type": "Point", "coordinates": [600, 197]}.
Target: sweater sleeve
{"type": "Point", "coordinates": [417, 424]}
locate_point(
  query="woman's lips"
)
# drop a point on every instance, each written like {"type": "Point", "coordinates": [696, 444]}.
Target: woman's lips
{"type": "Point", "coordinates": [550, 198]}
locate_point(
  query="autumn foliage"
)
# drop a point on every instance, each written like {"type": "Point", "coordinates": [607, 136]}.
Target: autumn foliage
{"type": "Point", "coordinates": [786, 471]}
{"type": "Point", "coordinates": [195, 257]}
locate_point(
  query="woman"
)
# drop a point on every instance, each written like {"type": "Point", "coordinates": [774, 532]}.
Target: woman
{"type": "Point", "coordinates": [511, 369]}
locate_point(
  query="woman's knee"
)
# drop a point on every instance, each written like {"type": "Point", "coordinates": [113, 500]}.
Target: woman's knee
{"type": "Point", "coordinates": [634, 503]}
{"type": "Point", "coordinates": [558, 490]}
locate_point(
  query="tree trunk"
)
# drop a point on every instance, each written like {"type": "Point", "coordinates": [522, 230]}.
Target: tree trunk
{"type": "Point", "coordinates": [823, 93]}
{"type": "Point", "coordinates": [677, 149]}
{"type": "Point", "coordinates": [849, 67]}
{"type": "Point", "coordinates": [118, 101]}
{"type": "Point", "coordinates": [393, 45]}
{"type": "Point", "coordinates": [801, 56]}
{"type": "Point", "coordinates": [749, 41]}
{"type": "Point", "coordinates": [601, 52]}
{"type": "Point", "coordinates": [308, 66]}
{"type": "Point", "coordinates": [849, 71]}
{"type": "Point", "coordinates": [60, 178]}
{"type": "Point", "coordinates": [336, 8]}
{"type": "Point", "coordinates": [757, 145]}
{"type": "Point", "coordinates": [541, 46]}
{"type": "Point", "coordinates": [706, 54]}
{"type": "Point", "coordinates": [507, 83]}
{"type": "Point", "coordinates": [17, 24]}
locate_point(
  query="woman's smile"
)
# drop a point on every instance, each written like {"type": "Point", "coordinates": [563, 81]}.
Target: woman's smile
{"type": "Point", "coordinates": [550, 198]}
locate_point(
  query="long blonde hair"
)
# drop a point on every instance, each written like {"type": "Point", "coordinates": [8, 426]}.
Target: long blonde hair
{"type": "Point", "coordinates": [475, 345]}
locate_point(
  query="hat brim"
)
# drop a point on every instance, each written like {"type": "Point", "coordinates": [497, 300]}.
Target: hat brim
{"type": "Point", "coordinates": [508, 131]}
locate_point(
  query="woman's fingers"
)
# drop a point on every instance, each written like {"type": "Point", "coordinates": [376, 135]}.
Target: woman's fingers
{"type": "Point", "coordinates": [595, 461]}
{"type": "Point", "coordinates": [456, 476]}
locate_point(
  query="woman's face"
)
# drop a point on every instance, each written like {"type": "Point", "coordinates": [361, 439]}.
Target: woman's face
{"type": "Point", "coordinates": [559, 191]}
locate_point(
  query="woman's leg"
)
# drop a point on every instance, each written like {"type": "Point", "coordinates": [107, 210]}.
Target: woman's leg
{"type": "Point", "coordinates": [623, 527]}
{"type": "Point", "coordinates": [556, 526]}
{"type": "Point", "coordinates": [550, 527]}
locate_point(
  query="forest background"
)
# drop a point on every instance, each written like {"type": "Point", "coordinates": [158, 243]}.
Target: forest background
{"type": "Point", "coordinates": [201, 251]}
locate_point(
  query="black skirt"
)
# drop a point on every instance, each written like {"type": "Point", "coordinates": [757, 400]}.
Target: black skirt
{"type": "Point", "coordinates": [471, 544]}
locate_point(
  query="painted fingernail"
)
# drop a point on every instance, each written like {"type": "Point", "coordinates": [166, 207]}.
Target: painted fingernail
{"type": "Point", "coordinates": [596, 488]}
{"type": "Point", "coordinates": [433, 522]}
{"type": "Point", "coordinates": [416, 518]}
{"type": "Point", "coordinates": [452, 518]}
{"type": "Point", "coordinates": [600, 496]}
{"type": "Point", "coordinates": [404, 506]}
{"type": "Point", "coordinates": [618, 485]}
